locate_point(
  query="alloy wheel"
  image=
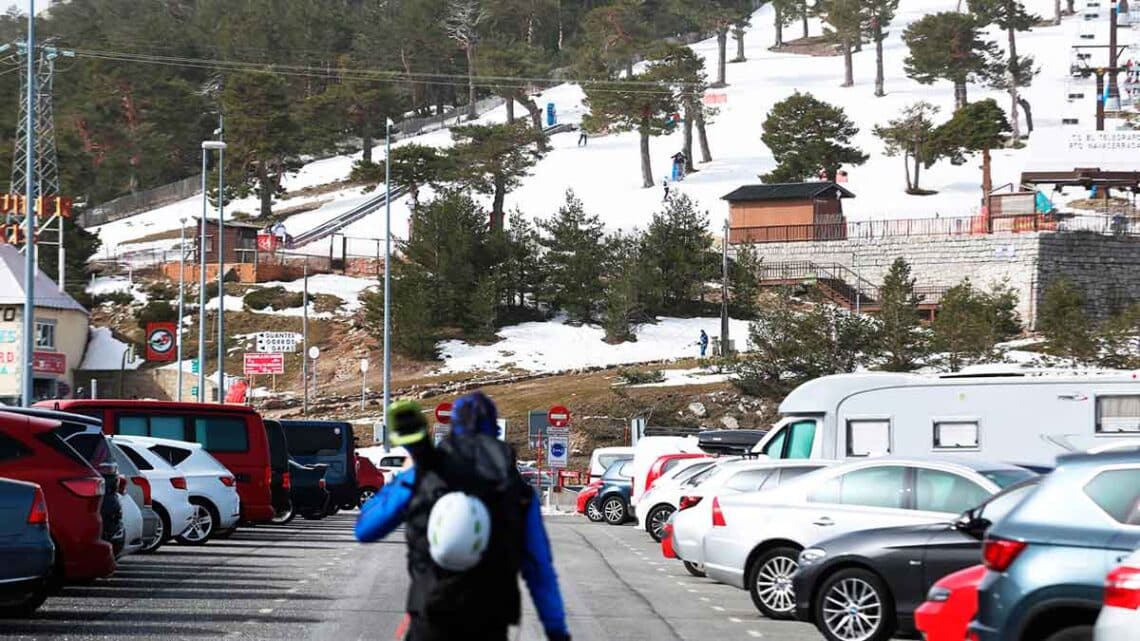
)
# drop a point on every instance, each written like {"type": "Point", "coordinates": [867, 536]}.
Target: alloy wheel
{"type": "Point", "coordinates": [774, 584]}
{"type": "Point", "coordinates": [657, 520]}
{"type": "Point", "coordinates": [366, 495]}
{"type": "Point", "coordinates": [852, 610]}
{"type": "Point", "coordinates": [614, 510]}
{"type": "Point", "coordinates": [592, 511]}
{"type": "Point", "coordinates": [201, 526]}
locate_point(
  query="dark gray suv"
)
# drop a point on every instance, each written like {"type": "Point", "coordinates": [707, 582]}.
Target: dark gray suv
{"type": "Point", "coordinates": [1048, 557]}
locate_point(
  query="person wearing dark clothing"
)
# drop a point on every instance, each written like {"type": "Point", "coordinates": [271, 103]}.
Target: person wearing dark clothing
{"type": "Point", "coordinates": [480, 603]}
{"type": "Point", "coordinates": [665, 186]}
{"type": "Point", "coordinates": [582, 138]}
{"type": "Point", "coordinates": [704, 343]}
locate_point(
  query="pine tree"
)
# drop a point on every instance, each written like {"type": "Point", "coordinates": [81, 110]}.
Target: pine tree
{"type": "Point", "coordinates": [521, 269]}
{"type": "Point", "coordinates": [623, 299]}
{"type": "Point", "coordinates": [744, 281]}
{"type": "Point", "coordinates": [414, 328]}
{"type": "Point", "coordinates": [947, 46]}
{"type": "Point", "coordinates": [415, 166]}
{"type": "Point", "coordinates": [615, 34]}
{"type": "Point", "coordinates": [964, 328]}
{"type": "Point", "coordinates": [878, 15]}
{"type": "Point", "coordinates": [1061, 319]}
{"type": "Point", "coordinates": [493, 159]}
{"type": "Point", "coordinates": [1117, 340]}
{"type": "Point", "coordinates": [678, 249]}
{"type": "Point", "coordinates": [684, 70]}
{"type": "Point", "coordinates": [979, 126]}
{"type": "Point", "coordinates": [1011, 16]}
{"type": "Point", "coordinates": [462, 25]}
{"type": "Point", "coordinates": [624, 107]}
{"type": "Point", "coordinates": [356, 108]}
{"type": "Point", "coordinates": [901, 339]}
{"type": "Point", "coordinates": [574, 259]}
{"type": "Point", "coordinates": [843, 20]}
{"type": "Point", "coordinates": [784, 13]}
{"type": "Point", "coordinates": [261, 134]}
{"type": "Point", "coordinates": [806, 135]}
{"type": "Point", "coordinates": [909, 135]}
{"type": "Point", "coordinates": [482, 309]}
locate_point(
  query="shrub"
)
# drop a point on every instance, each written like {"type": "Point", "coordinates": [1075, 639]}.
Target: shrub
{"type": "Point", "coordinates": [156, 311]}
{"type": "Point", "coordinates": [275, 298]}
{"type": "Point", "coordinates": [323, 303]}
{"type": "Point", "coordinates": [117, 298]}
{"type": "Point", "coordinates": [162, 290]}
{"type": "Point", "coordinates": [638, 377]}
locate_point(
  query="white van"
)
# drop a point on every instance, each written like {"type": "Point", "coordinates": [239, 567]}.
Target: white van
{"type": "Point", "coordinates": [602, 457]}
{"type": "Point", "coordinates": [647, 450]}
{"type": "Point", "coordinates": [1021, 416]}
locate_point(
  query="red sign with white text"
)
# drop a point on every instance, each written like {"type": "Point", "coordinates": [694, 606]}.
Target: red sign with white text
{"type": "Point", "coordinates": [49, 363]}
{"type": "Point", "coordinates": [262, 363]}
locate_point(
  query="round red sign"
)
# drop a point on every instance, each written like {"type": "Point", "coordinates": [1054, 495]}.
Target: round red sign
{"type": "Point", "coordinates": [443, 413]}
{"type": "Point", "coordinates": [558, 416]}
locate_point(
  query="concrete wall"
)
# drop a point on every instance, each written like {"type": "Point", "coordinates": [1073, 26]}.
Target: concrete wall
{"type": "Point", "coordinates": [1106, 269]}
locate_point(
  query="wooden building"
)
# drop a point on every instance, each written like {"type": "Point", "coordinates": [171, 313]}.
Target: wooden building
{"type": "Point", "coordinates": [787, 212]}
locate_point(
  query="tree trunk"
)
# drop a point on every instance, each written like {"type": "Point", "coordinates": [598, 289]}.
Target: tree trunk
{"type": "Point", "coordinates": [987, 178]}
{"type": "Point", "coordinates": [687, 145]}
{"type": "Point", "coordinates": [804, 16]}
{"type": "Point", "coordinates": [1028, 114]}
{"type": "Point", "coordinates": [722, 55]}
{"type": "Point", "coordinates": [629, 68]}
{"type": "Point", "coordinates": [703, 136]}
{"type": "Point", "coordinates": [917, 163]}
{"type": "Point", "coordinates": [848, 66]}
{"type": "Point", "coordinates": [1014, 118]}
{"type": "Point", "coordinates": [265, 189]}
{"type": "Point", "coordinates": [1069, 7]}
{"type": "Point", "coordinates": [497, 204]}
{"type": "Point", "coordinates": [1057, 11]}
{"type": "Point", "coordinates": [646, 166]}
{"type": "Point", "coordinates": [738, 34]}
{"type": "Point", "coordinates": [879, 63]}
{"type": "Point", "coordinates": [959, 95]}
{"type": "Point", "coordinates": [510, 111]}
{"type": "Point", "coordinates": [906, 168]}
{"type": "Point", "coordinates": [472, 113]}
{"type": "Point", "coordinates": [366, 143]}
{"type": "Point", "coordinates": [779, 24]}
{"type": "Point", "coordinates": [533, 109]}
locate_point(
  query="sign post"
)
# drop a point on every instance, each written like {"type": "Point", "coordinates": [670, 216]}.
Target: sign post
{"type": "Point", "coordinates": [363, 380]}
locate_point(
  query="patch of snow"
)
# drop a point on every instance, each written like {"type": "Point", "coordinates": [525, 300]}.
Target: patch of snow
{"type": "Point", "coordinates": [681, 377]}
{"type": "Point", "coordinates": [103, 285]}
{"type": "Point", "coordinates": [105, 352]}
{"type": "Point", "coordinates": [347, 288]}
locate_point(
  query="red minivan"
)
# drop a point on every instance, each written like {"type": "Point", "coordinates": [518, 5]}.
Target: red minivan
{"type": "Point", "coordinates": [30, 450]}
{"type": "Point", "coordinates": [233, 434]}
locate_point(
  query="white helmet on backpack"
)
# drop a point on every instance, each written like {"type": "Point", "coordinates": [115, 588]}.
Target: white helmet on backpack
{"type": "Point", "coordinates": [459, 529]}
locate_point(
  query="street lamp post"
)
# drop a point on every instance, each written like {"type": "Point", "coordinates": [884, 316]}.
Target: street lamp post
{"type": "Point", "coordinates": [207, 146]}
{"type": "Point", "coordinates": [221, 147]}
{"type": "Point", "coordinates": [181, 297]}
{"type": "Point", "coordinates": [387, 273]}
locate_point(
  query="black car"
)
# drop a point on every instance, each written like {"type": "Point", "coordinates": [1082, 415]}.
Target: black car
{"type": "Point", "coordinates": [613, 496]}
{"type": "Point", "coordinates": [280, 481]}
{"type": "Point", "coordinates": [866, 585]}
{"type": "Point", "coordinates": [329, 443]}
{"type": "Point", "coordinates": [308, 493]}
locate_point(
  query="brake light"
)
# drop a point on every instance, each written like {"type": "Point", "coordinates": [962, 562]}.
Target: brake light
{"type": "Point", "coordinates": [179, 482]}
{"type": "Point", "coordinates": [38, 515]}
{"type": "Point", "coordinates": [87, 488]}
{"type": "Point", "coordinates": [321, 484]}
{"type": "Point", "coordinates": [268, 477]}
{"type": "Point", "coordinates": [1122, 588]}
{"type": "Point", "coordinates": [999, 554]}
{"type": "Point", "coordinates": [122, 484]}
{"type": "Point", "coordinates": [717, 514]}
{"type": "Point", "coordinates": [227, 481]}
{"type": "Point", "coordinates": [145, 485]}
{"type": "Point", "coordinates": [688, 502]}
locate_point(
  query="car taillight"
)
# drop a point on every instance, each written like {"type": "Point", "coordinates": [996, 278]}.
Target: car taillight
{"type": "Point", "coordinates": [999, 554]}
{"type": "Point", "coordinates": [145, 485]}
{"type": "Point", "coordinates": [287, 481]}
{"type": "Point", "coordinates": [38, 515]}
{"type": "Point", "coordinates": [87, 488]}
{"type": "Point", "coordinates": [122, 484]}
{"type": "Point", "coordinates": [688, 502]}
{"type": "Point", "coordinates": [268, 477]}
{"type": "Point", "coordinates": [1122, 588]}
{"type": "Point", "coordinates": [717, 514]}
{"type": "Point", "coordinates": [972, 636]}
{"type": "Point", "coordinates": [321, 484]}
{"type": "Point", "coordinates": [179, 482]}
{"type": "Point", "coordinates": [227, 481]}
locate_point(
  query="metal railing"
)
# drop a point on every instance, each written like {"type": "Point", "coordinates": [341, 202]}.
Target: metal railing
{"type": "Point", "coordinates": [841, 280]}
{"type": "Point", "coordinates": [955, 226]}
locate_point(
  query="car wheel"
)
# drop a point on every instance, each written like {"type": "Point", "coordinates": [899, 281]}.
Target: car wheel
{"type": "Point", "coordinates": [655, 522]}
{"type": "Point", "coordinates": [366, 494]}
{"type": "Point", "coordinates": [281, 518]}
{"type": "Point", "coordinates": [23, 605]}
{"type": "Point", "coordinates": [202, 526]}
{"type": "Point", "coordinates": [1075, 633]}
{"type": "Point", "coordinates": [161, 531]}
{"type": "Point", "coordinates": [593, 511]}
{"type": "Point", "coordinates": [770, 582]}
{"type": "Point", "coordinates": [695, 569]}
{"type": "Point", "coordinates": [614, 510]}
{"type": "Point", "coordinates": [854, 605]}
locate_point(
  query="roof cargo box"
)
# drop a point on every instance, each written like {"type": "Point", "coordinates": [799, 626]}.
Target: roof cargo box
{"type": "Point", "coordinates": [729, 441]}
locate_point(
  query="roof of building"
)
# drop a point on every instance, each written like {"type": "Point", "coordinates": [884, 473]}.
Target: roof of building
{"type": "Point", "coordinates": [239, 224]}
{"type": "Point", "coordinates": [785, 191]}
{"type": "Point", "coordinates": [12, 281]}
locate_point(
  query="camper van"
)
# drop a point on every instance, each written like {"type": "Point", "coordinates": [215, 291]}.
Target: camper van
{"type": "Point", "coordinates": [1022, 416]}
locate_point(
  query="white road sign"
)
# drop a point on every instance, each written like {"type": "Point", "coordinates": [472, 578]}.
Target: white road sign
{"type": "Point", "coordinates": [277, 342]}
{"type": "Point", "coordinates": [557, 451]}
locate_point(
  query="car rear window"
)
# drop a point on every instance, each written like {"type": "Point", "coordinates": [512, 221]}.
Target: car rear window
{"type": "Point", "coordinates": [314, 440]}
{"type": "Point", "coordinates": [172, 455]}
{"type": "Point", "coordinates": [11, 449]}
{"type": "Point", "coordinates": [136, 458]}
{"type": "Point", "coordinates": [392, 461]}
{"type": "Point", "coordinates": [1118, 493]}
{"type": "Point", "coordinates": [52, 440]}
{"type": "Point", "coordinates": [221, 433]}
{"type": "Point", "coordinates": [606, 460]}
{"type": "Point", "coordinates": [92, 447]}
{"type": "Point", "coordinates": [702, 476]}
{"type": "Point", "coordinates": [1006, 478]}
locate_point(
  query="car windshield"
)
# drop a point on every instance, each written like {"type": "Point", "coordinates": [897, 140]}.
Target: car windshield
{"type": "Point", "coordinates": [702, 476]}
{"type": "Point", "coordinates": [1006, 478]}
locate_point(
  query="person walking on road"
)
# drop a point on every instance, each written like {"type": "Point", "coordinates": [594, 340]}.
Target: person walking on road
{"type": "Point", "coordinates": [478, 600]}
{"type": "Point", "coordinates": [703, 342]}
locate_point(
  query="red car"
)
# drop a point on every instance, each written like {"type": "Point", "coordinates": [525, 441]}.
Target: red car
{"type": "Point", "coordinates": [666, 462]}
{"type": "Point", "coordinates": [368, 478]}
{"type": "Point", "coordinates": [667, 540]}
{"type": "Point", "coordinates": [950, 605]}
{"type": "Point", "coordinates": [31, 451]}
{"type": "Point", "coordinates": [586, 503]}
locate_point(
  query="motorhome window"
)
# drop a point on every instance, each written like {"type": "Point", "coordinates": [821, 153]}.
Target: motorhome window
{"type": "Point", "coordinates": [1117, 492]}
{"type": "Point", "coordinates": [956, 435]}
{"type": "Point", "coordinates": [938, 491]}
{"type": "Point", "coordinates": [748, 480]}
{"type": "Point", "coordinates": [132, 426]}
{"type": "Point", "coordinates": [873, 487]}
{"type": "Point", "coordinates": [868, 437]}
{"type": "Point", "coordinates": [221, 434]}
{"type": "Point", "coordinates": [803, 437]}
{"type": "Point", "coordinates": [1116, 414]}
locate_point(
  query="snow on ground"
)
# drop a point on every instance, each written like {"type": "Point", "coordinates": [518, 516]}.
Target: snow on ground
{"type": "Point", "coordinates": [555, 346]}
{"type": "Point", "coordinates": [104, 351]}
{"type": "Point", "coordinates": [347, 288]}
{"type": "Point", "coordinates": [682, 377]}
{"type": "Point", "coordinates": [103, 285]}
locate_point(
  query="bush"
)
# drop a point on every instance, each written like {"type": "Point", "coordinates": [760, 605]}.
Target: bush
{"type": "Point", "coordinates": [367, 172]}
{"type": "Point", "coordinates": [117, 298]}
{"type": "Point", "coordinates": [162, 290]}
{"type": "Point", "coordinates": [639, 377]}
{"type": "Point", "coordinates": [156, 311]}
{"type": "Point", "coordinates": [275, 298]}
{"type": "Point", "coordinates": [323, 303]}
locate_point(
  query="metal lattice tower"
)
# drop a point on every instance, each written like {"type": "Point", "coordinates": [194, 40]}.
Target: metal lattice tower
{"type": "Point", "coordinates": [47, 159]}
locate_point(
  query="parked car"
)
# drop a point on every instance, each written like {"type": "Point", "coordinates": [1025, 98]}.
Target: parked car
{"type": "Point", "coordinates": [280, 486]}
{"type": "Point", "coordinates": [667, 462]}
{"type": "Point", "coordinates": [233, 434]}
{"type": "Point", "coordinates": [392, 462]}
{"type": "Point", "coordinates": [756, 539]}
{"type": "Point", "coordinates": [950, 605]}
{"type": "Point", "coordinates": [865, 585]}
{"type": "Point", "coordinates": [603, 457]}
{"type": "Point", "coordinates": [1119, 619]}
{"type": "Point", "coordinates": [169, 491]}
{"type": "Point", "coordinates": [646, 453]}
{"type": "Point", "coordinates": [308, 493]}
{"type": "Point", "coordinates": [212, 488]}
{"type": "Point", "coordinates": [329, 443]}
{"type": "Point", "coordinates": [699, 495]}
{"type": "Point", "coordinates": [368, 477]}
{"type": "Point", "coordinates": [132, 523]}
{"type": "Point", "coordinates": [138, 489]}
{"type": "Point", "coordinates": [587, 501]}
{"type": "Point", "coordinates": [662, 499]}
{"type": "Point", "coordinates": [613, 495]}
{"type": "Point", "coordinates": [31, 451]}
{"type": "Point", "coordinates": [26, 551]}
{"type": "Point", "coordinates": [1047, 558]}
{"type": "Point", "coordinates": [538, 479]}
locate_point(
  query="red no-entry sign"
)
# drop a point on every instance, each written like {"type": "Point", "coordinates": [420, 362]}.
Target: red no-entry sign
{"type": "Point", "coordinates": [558, 416]}
{"type": "Point", "coordinates": [443, 413]}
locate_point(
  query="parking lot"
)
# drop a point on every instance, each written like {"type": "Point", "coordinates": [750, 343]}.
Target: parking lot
{"type": "Point", "coordinates": [311, 580]}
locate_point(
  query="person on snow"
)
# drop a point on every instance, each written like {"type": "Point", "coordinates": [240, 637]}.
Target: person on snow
{"type": "Point", "coordinates": [582, 138]}
{"type": "Point", "coordinates": [703, 341]}
{"type": "Point", "coordinates": [665, 186]}
{"type": "Point", "coordinates": [479, 603]}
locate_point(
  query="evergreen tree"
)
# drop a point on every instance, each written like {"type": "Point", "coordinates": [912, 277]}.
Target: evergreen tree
{"type": "Point", "coordinates": [740, 27]}
{"type": "Point", "coordinates": [1117, 340]}
{"type": "Point", "coordinates": [623, 297]}
{"type": "Point", "coordinates": [843, 20]}
{"type": "Point", "coordinates": [909, 135]}
{"type": "Point", "coordinates": [521, 269]}
{"type": "Point", "coordinates": [507, 60]}
{"type": "Point", "coordinates": [573, 260]}
{"type": "Point", "coordinates": [900, 338]}
{"type": "Point", "coordinates": [355, 108]}
{"type": "Point", "coordinates": [462, 25]}
{"type": "Point", "coordinates": [965, 327]}
{"type": "Point", "coordinates": [614, 34]}
{"type": "Point", "coordinates": [482, 309]}
{"type": "Point", "coordinates": [784, 13]}
{"type": "Point", "coordinates": [806, 135]}
{"type": "Point", "coordinates": [685, 71]}
{"type": "Point", "coordinates": [678, 250]}
{"type": "Point", "coordinates": [415, 165]}
{"type": "Point", "coordinates": [878, 15]}
{"type": "Point", "coordinates": [625, 107]}
{"type": "Point", "coordinates": [744, 281]}
{"type": "Point", "coordinates": [414, 328]}
{"type": "Point", "coordinates": [947, 46]}
{"type": "Point", "coordinates": [493, 159]}
{"type": "Point", "coordinates": [1011, 16]}
{"type": "Point", "coordinates": [261, 134]}
{"type": "Point", "coordinates": [1061, 319]}
{"type": "Point", "coordinates": [979, 126]}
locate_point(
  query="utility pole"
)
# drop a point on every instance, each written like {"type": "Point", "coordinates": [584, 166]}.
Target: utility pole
{"type": "Point", "coordinates": [1113, 91]}
{"type": "Point", "coordinates": [181, 297]}
{"type": "Point", "coordinates": [387, 275]}
{"type": "Point", "coordinates": [202, 286]}
{"type": "Point", "coordinates": [30, 217]}
{"type": "Point", "coordinates": [725, 343]}
{"type": "Point", "coordinates": [305, 342]}
{"type": "Point", "coordinates": [221, 262]}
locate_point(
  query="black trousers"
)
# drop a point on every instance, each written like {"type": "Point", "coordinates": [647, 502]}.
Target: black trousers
{"type": "Point", "coordinates": [422, 630]}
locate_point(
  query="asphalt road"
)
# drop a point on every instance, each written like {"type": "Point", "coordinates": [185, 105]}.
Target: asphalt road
{"type": "Point", "coordinates": [310, 580]}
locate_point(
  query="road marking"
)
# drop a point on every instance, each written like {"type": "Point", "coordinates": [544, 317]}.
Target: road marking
{"type": "Point", "coordinates": [718, 608]}
{"type": "Point", "coordinates": [278, 600]}
{"type": "Point", "coordinates": [303, 581]}
{"type": "Point", "coordinates": [692, 590]}
{"type": "Point", "coordinates": [754, 634]}
{"type": "Point", "coordinates": [660, 569]}
{"type": "Point", "coordinates": [705, 599]}
{"type": "Point", "coordinates": [735, 619]}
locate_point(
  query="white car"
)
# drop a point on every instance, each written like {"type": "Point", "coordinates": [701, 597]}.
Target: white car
{"type": "Point", "coordinates": [603, 457]}
{"type": "Point", "coordinates": [694, 515]}
{"type": "Point", "coordinates": [647, 451]}
{"type": "Point", "coordinates": [213, 490]}
{"type": "Point", "coordinates": [1119, 618]}
{"type": "Point", "coordinates": [132, 526]}
{"type": "Point", "coordinates": [170, 498]}
{"type": "Point", "coordinates": [661, 499]}
{"type": "Point", "coordinates": [756, 539]}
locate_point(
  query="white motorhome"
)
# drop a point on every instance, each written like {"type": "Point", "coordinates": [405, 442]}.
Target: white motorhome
{"type": "Point", "coordinates": [1018, 416]}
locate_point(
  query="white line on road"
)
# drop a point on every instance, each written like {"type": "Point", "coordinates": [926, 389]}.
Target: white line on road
{"type": "Point", "coordinates": [265, 611]}
{"type": "Point", "coordinates": [705, 599]}
{"type": "Point", "coordinates": [754, 634]}
{"type": "Point", "coordinates": [736, 619]}
{"type": "Point", "coordinates": [718, 608]}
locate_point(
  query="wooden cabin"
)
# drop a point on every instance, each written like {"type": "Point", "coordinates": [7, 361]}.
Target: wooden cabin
{"type": "Point", "coordinates": [784, 212]}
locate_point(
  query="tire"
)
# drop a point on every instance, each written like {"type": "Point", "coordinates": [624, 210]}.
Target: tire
{"type": "Point", "coordinates": [162, 531]}
{"type": "Point", "coordinates": [614, 510]}
{"type": "Point", "coordinates": [655, 520]}
{"type": "Point", "coordinates": [855, 605]}
{"type": "Point", "coordinates": [313, 516]}
{"type": "Point", "coordinates": [594, 511]}
{"type": "Point", "coordinates": [284, 517]}
{"type": "Point", "coordinates": [695, 569]}
{"type": "Point", "coordinates": [203, 526]}
{"type": "Point", "coordinates": [22, 606]}
{"type": "Point", "coordinates": [332, 510]}
{"type": "Point", "coordinates": [769, 580]}
{"type": "Point", "coordinates": [1075, 633]}
{"type": "Point", "coordinates": [366, 494]}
